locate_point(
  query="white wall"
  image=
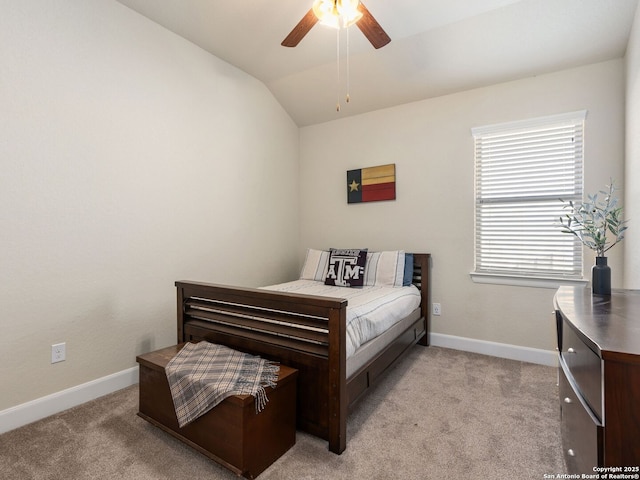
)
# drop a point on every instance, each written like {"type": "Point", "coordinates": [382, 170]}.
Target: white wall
{"type": "Point", "coordinates": [129, 159]}
{"type": "Point", "coordinates": [632, 161]}
{"type": "Point", "coordinates": [430, 142]}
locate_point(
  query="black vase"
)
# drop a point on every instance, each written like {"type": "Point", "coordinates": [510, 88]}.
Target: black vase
{"type": "Point", "coordinates": [601, 277]}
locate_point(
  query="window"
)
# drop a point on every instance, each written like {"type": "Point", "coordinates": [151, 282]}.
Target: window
{"type": "Point", "coordinates": [522, 171]}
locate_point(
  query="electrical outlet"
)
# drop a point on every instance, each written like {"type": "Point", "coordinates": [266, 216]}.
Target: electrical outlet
{"type": "Point", "coordinates": [58, 352]}
{"type": "Point", "coordinates": [436, 309]}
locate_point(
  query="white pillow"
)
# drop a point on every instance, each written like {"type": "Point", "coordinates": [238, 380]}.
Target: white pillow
{"type": "Point", "coordinates": [315, 265]}
{"type": "Point", "coordinates": [384, 268]}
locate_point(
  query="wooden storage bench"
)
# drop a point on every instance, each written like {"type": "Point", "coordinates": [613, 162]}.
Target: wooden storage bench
{"type": "Point", "coordinates": [232, 433]}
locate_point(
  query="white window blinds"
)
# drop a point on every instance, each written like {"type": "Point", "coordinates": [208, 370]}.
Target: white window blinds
{"type": "Point", "coordinates": [523, 169]}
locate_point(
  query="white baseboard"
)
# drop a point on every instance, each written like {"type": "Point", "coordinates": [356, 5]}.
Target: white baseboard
{"type": "Point", "coordinates": [502, 350]}
{"type": "Point", "coordinates": [34, 410]}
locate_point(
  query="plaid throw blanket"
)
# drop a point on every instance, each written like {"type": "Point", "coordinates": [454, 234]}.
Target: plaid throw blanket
{"type": "Point", "coordinates": [203, 374]}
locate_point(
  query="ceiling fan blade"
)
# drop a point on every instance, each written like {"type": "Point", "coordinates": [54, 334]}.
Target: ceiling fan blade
{"type": "Point", "coordinates": [300, 30]}
{"type": "Point", "coordinates": [371, 28]}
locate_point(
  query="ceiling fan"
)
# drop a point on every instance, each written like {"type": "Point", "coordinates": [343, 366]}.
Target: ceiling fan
{"type": "Point", "coordinates": [339, 13]}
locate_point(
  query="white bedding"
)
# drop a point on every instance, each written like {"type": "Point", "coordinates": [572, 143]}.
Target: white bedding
{"type": "Point", "coordinates": [371, 310]}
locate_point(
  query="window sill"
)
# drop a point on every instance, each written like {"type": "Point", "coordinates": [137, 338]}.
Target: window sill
{"type": "Point", "coordinates": [537, 282]}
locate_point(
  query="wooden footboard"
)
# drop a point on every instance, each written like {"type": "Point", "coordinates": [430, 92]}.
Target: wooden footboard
{"type": "Point", "coordinates": [302, 331]}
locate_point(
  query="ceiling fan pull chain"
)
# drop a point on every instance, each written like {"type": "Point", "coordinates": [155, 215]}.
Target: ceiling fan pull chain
{"type": "Point", "coordinates": [348, 87]}
{"type": "Point", "coordinates": [338, 67]}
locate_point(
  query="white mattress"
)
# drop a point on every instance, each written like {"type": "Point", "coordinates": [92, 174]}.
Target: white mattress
{"type": "Point", "coordinates": [370, 310]}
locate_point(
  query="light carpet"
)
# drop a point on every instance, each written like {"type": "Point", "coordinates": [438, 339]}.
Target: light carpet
{"type": "Point", "coordinates": [439, 414]}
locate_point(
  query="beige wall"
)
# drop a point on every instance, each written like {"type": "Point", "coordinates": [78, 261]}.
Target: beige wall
{"type": "Point", "coordinates": [632, 161]}
{"type": "Point", "coordinates": [129, 159]}
{"type": "Point", "coordinates": [430, 142]}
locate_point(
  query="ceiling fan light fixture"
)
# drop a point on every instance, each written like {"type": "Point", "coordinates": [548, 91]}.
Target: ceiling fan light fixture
{"type": "Point", "coordinates": [337, 13]}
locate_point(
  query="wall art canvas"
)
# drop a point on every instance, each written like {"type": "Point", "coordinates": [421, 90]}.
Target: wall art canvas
{"type": "Point", "coordinates": [371, 184]}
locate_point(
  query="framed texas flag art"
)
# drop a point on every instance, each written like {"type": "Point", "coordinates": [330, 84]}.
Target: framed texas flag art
{"type": "Point", "coordinates": [371, 184]}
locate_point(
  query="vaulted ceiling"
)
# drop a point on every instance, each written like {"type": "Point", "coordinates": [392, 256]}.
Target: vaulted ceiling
{"type": "Point", "coordinates": [437, 46]}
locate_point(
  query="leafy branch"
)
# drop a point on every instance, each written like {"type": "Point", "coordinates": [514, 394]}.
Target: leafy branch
{"type": "Point", "coordinates": [592, 220]}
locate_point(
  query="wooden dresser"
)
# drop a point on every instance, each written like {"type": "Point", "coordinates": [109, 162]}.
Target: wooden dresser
{"type": "Point", "coordinates": [599, 378]}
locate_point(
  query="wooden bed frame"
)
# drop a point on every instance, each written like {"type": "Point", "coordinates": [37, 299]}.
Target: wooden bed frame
{"type": "Point", "coordinates": [305, 332]}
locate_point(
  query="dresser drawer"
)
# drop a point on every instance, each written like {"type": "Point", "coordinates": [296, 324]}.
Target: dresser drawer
{"type": "Point", "coordinates": [585, 366]}
{"type": "Point", "coordinates": [581, 432]}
